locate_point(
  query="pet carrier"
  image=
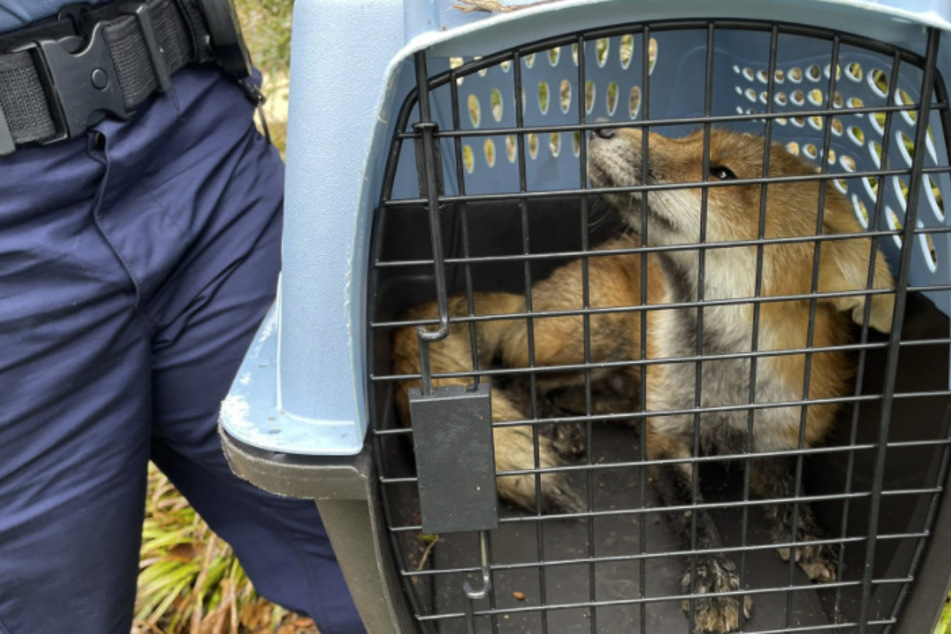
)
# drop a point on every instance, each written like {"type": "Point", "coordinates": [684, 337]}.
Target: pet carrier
{"type": "Point", "coordinates": [466, 161]}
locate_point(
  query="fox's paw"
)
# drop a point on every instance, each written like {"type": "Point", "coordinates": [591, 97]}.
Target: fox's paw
{"type": "Point", "coordinates": [818, 562]}
{"type": "Point", "coordinates": [569, 439]}
{"type": "Point", "coordinates": [715, 613]}
{"type": "Point", "coordinates": [553, 490]}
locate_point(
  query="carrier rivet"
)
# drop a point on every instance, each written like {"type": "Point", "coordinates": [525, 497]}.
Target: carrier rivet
{"type": "Point", "coordinates": [100, 80]}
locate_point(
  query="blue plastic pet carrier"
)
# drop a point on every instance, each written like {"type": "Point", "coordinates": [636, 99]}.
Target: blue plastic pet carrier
{"type": "Point", "coordinates": [437, 149]}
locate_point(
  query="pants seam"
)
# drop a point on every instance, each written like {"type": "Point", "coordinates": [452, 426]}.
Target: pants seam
{"type": "Point", "coordinates": [101, 157]}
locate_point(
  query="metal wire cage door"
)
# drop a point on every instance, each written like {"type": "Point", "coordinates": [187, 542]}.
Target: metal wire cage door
{"type": "Point", "coordinates": [489, 189]}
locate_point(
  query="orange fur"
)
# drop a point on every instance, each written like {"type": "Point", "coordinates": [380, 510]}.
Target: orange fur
{"type": "Point", "coordinates": [678, 217]}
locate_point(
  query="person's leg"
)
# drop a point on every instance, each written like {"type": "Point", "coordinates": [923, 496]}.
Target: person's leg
{"type": "Point", "coordinates": [74, 403]}
{"type": "Point", "coordinates": [219, 236]}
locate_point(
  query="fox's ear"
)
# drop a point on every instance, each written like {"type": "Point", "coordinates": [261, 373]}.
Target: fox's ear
{"type": "Point", "coordinates": [847, 270]}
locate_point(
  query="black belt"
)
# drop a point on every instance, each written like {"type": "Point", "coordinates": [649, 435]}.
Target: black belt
{"type": "Point", "coordinates": [61, 76]}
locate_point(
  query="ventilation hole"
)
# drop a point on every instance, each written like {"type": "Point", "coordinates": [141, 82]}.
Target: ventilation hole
{"type": "Point", "coordinates": [855, 102]}
{"type": "Point", "coordinates": [838, 71]}
{"type": "Point", "coordinates": [475, 112]}
{"type": "Point", "coordinates": [928, 250]}
{"type": "Point", "coordinates": [831, 156]}
{"type": "Point", "coordinates": [841, 185]}
{"type": "Point", "coordinates": [626, 50]}
{"type": "Point", "coordinates": [837, 127]}
{"type": "Point", "coordinates": [554, 144]}
{"type": "Point", "coordinates": [878, 82]}
{"type": "Point", "coordinates": [576, 142]}
{"type": "Point", "coordinates": [762, 76]}
{"type": "Point", "coordinates": [877, 120]}
{"type": "Point", "coordinates": [857, 135]}
{"type": "Point", "coordinates": [554, 54]}
{"type": "Point", "coordinates": [456, 62]}
{"type": "Point", "coordinates": [906, 146]}
{"type": "Point", "coordinates": [837, 99]}
{"type": "Point", "coordinates": [506, 65]}
{"type": "Point", "coordinates": [564, 95]}
{"type": "Point", "coordinates": [798, 97]}
{"type": "Point", "coordinates": [468, 159]}
{"type": "Point", "coordinates": [814, 73]}
{"type": "Point", "coordinates": [482, 71]}
{"type": "Point", "coordinates": [589, 94]}
{"type": "Point", "coordinates": [901, 190]}
{"type": "Point", "coordinates": [816, 97]}
{"type": "Point", "coordinates": [847, 163]}
{"type": "Point", "coordinates": [902, 98]}
{"type": "Point", "coordinates": [543, 97]}
{"type": "Point", "coordinates": [495, 98]}
{"type": "Point", "coordinates": [523, 100]}
{"type": "Point", "coordinates": [652, 52]}
{"type": "Point", "coordinates": [936, 200]}
{"type": "Point", "coordinates": [930, 146]}
{"type": "Point", "coordinates": [751, 111]}
{"type": "Point", "coordinates": [854, 71]}
{"type": "Point", "coordinates": [511, 148]}
{"type": "Point", "coordinates": [634, 102]}
{"type": "Point", "coordinates": [798, 121]}
{"type": "Point", "coordinates": [748, 74]}
{"type": "Point", "coordinates": [860, 211]}
{"type": "Point", "coordinates": [871, 186]}
{"type": "Point", "coordinates": [750, 94]}
{"type": "Point", "coordinates": [816, 122]}
{"type": "Point", "coordinates": [782, 120]}
{"type": "Point", "coordinates": [602, 46]}
{"type": "Point", "coordinates": [574, 53]}
{"type": "Point", "coordinates": [810, 151]}
{"type": "Point", "coordinates": [763, 97]}
{"type": "Point", "coordinates": [894, 223]}
{"type": "Point", "coordinates": [529, 60]}
{"type": "Point", "coordinates": [781, 98]}
{"type": "Point", "coordinates": [489, 149]}
{"type": "Point", "coordinates": [780, 76]}
{"type": "Point", "coordinates": [875, 150]}
{"type": "Point", "coordinates": [610, 98]}
{"type": "Point", "coordinates": [793, 148]}
{"type": "Point", "coordinates": [533, 145]}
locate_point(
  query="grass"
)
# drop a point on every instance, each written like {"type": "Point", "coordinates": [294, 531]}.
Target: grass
{"type": "Point", "coordinates": [190, 580]}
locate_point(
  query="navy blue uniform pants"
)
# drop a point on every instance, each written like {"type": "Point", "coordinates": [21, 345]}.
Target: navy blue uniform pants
{"type": "Point", "coordinates": [135, 265]}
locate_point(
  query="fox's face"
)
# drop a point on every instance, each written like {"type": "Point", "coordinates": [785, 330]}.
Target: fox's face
{"type": "Point", "coordinates": [680, 213]}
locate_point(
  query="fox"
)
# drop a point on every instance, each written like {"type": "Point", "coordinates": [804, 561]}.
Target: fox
{"type": "Point", "coordinates": [709, 312]}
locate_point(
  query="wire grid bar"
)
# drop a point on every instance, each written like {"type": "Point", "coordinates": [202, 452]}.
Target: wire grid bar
{"type": "Point", "coordinates": [451, 171]}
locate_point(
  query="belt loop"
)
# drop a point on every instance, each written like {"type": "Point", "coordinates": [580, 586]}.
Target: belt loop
{"type": "Point", "coordinates": [6, 137]}
{"type": "Point", "coordinates": [156, 54]}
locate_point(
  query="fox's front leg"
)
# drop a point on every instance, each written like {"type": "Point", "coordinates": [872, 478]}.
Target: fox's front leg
{"type": "Point", "coordinates": [515, 451]}
{"type": "Point", "coordinates": [772, 479]}
{"type": "Point", "coordinates": [712, 573]}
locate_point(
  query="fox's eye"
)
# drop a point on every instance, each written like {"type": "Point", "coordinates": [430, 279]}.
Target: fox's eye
{"type": "Point", "coordinates": [721, 173]}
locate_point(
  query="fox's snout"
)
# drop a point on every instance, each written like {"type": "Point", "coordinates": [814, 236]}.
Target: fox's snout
{"type": "Point", "coordinates": [726, 212]}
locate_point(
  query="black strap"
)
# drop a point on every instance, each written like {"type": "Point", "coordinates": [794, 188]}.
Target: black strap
{"type": "Point", "coordinates": [146, 42]}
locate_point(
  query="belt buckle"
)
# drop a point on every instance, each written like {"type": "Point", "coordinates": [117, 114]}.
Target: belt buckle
{"type": "Point", "coordinates": [227, 41]}
{"type": "Point", "coordinates": [80, 78]}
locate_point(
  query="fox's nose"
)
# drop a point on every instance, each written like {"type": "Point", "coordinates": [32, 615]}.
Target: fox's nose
{"type": "Point", "coordinates": [602, 133]}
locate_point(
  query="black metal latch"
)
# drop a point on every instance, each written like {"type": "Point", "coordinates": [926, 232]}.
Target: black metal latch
{"type": "Point", "coordinates": [455, 458]}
